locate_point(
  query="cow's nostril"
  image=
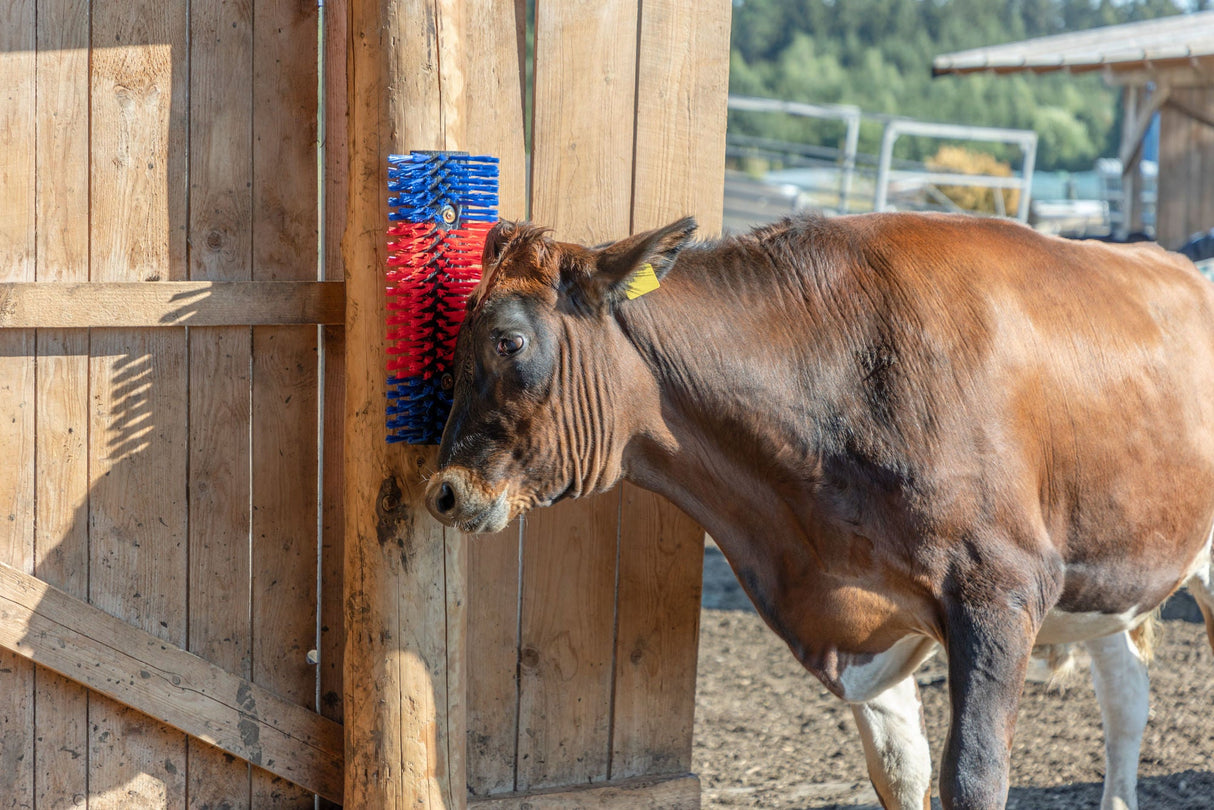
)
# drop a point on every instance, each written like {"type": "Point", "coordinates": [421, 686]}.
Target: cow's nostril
{"type": "Point", "coordinates": [446, 498]}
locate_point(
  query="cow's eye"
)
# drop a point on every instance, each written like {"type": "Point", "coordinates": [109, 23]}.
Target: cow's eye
{"type": "Point", "coordinates": [510, 345]}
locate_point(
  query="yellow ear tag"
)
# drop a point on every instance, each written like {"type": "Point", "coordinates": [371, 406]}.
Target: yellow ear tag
{"type": "Point", "coordinates": [643, 281]}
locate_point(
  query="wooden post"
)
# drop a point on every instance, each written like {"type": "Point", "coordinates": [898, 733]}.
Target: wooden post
{"type": "Point", "coordinates": [405, 578]}
{"type": "Point", "coordinates": [1129, 166]}
{"type": "Point", "coordinates": [398, 726]}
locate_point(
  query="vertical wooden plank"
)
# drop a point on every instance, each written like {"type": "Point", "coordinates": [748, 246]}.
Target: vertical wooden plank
{"type": "Point", "coordinates": [682, 85]}
{"type": "Point", "coordinates": [332, 618]}
{"type": "Point", "coordinates": [61, 541]}
{"type": "Point", "coordinates": [284, 528]}
{"type": "Point", "coordinates": [1171, 213]}
{"type": "Point", "coordinates": [682, 89]}
{"type": "Point", "coordinates": [585, 81]}
{"type": "Point", "coordinates": [137, 505]}
{"type": "Point", "coordinates": [1203, 100]}
{"type": "Point", "coordinates": [493, 614]}
{"type": "Point", "coordinates": [569, 558]}
{"type": "Point", "coordinates": [336, 191]}
{"type": "Point", "coordinates": [493, 561]}
{"type": "Point", "coordinates": [17, 395]}
{"type": "Point", "coordinates": [138, 379]}
{"type": "Point", "coordinates": [585, 74]}
{"type": "Point", "coordinates": [138, 141]}
{"type": "Point", "coordinates": [661, 565]}
{"type": "Point", "coordinates": [1194, 181]}
{"type": "Point", "coordinates": [221, 168]}
{"type": "Point", "coordinates": [285, 382]}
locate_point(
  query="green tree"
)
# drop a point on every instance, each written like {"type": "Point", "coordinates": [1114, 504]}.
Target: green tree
{"type": "Point", "coordinates": [876, 54]}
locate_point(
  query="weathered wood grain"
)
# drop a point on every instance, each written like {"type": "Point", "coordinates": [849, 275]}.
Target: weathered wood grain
{"type": "Point", "coordinates": [493, 561]}
{"type": "Point", "coordinates": [220, 239]}
{"type": "Point", "coordinates": [61, 529]}
{"type": "Point", "coordinates": [149, 674]}
{"type": "Point", "coordinates": [585, 82]}
{"type": "Point", "coordinates": [219, 593]}
{"type": "Point", "coordinates": [17, 375]}
{"type": "Point", "coordinates": [170, 303]}
{"type": "Point", "coordinates": [138, 120]}
{"type": "Point", "coordinates": [1172, 206]}
{"type": "Point", "coordinates": [585, 75]}
{"type": "Point", "coordinates": [682, 79]}
{"type": "Point", "coordinates": [669, 793]}
{"type": "Point", "coordinates": [682, 89]}
{"type": "Point", "coordinates": [565, 661]}
{"type": "Point", "coordinates": [285, 382]}
{"type": "Point", "coordinates": [333, 348]}
{"type": "Point", "coordinates": [493, 641]}
{"type": "Point", "coordinates": [406, 614]}
{"type": "Point", "coordinates": [137, 548]}
{"type": "Point", "coordinates": [285, 546]}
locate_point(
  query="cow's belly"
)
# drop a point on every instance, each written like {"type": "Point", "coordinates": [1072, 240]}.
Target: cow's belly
{"type": "Point", "coordinates": [1066, 627]}
{"type": "Point", "coordinates": [1062, 627]}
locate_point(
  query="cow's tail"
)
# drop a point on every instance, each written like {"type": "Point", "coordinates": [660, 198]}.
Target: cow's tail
{"type": "Point", "coordinates": [1057, 664]}
{"type": "Point", "coordinates": [1145, 636]}
{"type": "Point", "coordinates": [1201, 586]}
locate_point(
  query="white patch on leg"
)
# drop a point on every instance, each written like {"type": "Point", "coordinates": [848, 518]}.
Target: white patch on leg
{"type": "Point", "coordinates": [862, 678]}
{"type": "Point", "coordinates": [1122, 687]}
{"type": "Point", "coordinates": [895, 745]}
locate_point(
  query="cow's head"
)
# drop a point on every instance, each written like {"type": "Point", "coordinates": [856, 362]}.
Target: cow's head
{"type": "Point", "coordinates": [548, 390]}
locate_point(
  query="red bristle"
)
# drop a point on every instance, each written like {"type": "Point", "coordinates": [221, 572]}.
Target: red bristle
{"type": "Point", "coordinates": [431, 273]}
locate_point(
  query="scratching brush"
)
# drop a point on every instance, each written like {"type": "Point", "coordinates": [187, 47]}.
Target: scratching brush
{"type": "Point", "coordinates": [442, 206]}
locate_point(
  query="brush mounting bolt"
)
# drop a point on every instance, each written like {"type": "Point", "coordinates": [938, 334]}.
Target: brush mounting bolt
{"type": "Point", "coordinates": [448, 214]}
{"type": "Point", "coordinates": [447, 381]}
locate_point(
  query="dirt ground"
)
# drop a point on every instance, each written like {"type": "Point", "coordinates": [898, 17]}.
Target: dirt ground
{"type": "Point", "coordinates": [768, 735]}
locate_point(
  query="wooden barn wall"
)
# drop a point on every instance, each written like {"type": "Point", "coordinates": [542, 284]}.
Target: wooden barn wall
{"type": "Point", "coordinates": [168, 476]}
{"type": "Point", "coordinates": [189, 480]}
{"type": "Point", "coordinates": [1186, 167]}
{"type": "Point", "coordinates": [585, 663]}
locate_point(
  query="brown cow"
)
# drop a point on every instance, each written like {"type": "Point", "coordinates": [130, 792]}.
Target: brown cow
{"type": "Point", "coordinates": [903, 431]}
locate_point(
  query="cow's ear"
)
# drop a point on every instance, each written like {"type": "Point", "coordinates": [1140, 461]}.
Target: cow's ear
{"type": "Point", "coordinates": [496, 240]}
{"type": "Point", "coordinates": [634, 266]}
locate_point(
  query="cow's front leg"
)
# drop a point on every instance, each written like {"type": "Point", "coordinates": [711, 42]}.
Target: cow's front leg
{"type": "Point", "coordinates": [895, 746]}
{"type": "Point", "coordinates": [1122, 687]}
{"type": "Point", "coordinates": [988, 653]}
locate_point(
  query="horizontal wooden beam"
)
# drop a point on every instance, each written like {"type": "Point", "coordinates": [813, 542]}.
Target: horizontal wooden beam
{"type": "Point", "coordinates": [681, 792]}
{"type": "Point", "coordinates": [58, 305]}
{"type": "Point", "coordinates": [165, 682]}
{"type": "Point", "coordinates": [1186, 74]}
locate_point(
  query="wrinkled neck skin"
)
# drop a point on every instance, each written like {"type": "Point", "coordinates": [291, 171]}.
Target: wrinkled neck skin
{"type": "Point", "coordinates": [590, 436]}
{"type": "Point", "coordinates": [699, 444]}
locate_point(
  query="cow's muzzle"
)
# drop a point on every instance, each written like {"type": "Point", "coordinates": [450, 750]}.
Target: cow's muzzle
{"type": "Point", "coordinates": [457, 499]}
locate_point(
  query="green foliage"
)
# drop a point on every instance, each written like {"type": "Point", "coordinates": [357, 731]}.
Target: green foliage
{"type": "Point", "coordinates": [877, 54]}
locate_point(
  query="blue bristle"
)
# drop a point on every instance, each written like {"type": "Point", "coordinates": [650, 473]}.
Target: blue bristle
{"type": "Point", "coordinates": [425, 182]}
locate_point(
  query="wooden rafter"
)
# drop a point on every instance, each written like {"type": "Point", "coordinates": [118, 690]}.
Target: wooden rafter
{"type": "Point", "coordinates": [1132, 146]}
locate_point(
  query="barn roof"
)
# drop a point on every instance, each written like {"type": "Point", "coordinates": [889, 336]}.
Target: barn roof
{"type": "Point", "coordinates": [1153, 43]}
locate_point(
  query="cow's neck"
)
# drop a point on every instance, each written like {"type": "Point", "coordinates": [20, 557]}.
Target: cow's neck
{"type": "Point", "coordinates": [741, 443]}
